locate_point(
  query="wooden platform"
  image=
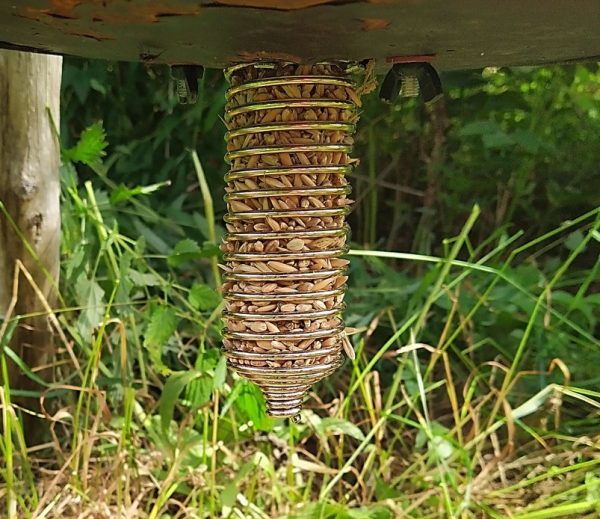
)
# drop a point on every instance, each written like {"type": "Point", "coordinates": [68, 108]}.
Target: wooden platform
{"type": "Point", "coordinates": [460, 33]}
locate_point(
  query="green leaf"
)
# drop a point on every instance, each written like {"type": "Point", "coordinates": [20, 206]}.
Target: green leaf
{"type": "Point", "coordinates": [337, 425]}
{"type": "Point", "coordinates": [91, 146]}
{"type": "Point", "coordinates": [123, 193]}
{"type": "Point", "coordinates": [163, 323]}
{"type": "Point", "coordinates": [174, 385]}
{"type": "Point", "coordinates": [185, 250]}
{"type": "Point", "coordinates": [229, 495]}
{"type": "Point", "coordinates": [527, 140]}
{"type": "Point", "coordinates": [200, 390]}
{"type": "Point", "coordinates": [189, 250]}
{"type": "Point", "coordinates": [91, 298]}
{"type": "Point", "coordinates": [147, 279]}
{"type": "Point", "coordinates": [440, 448]}
{"type": "Point", "coordinates": [220, 373]}
{"type": "Point", "coordinates": [479, 128]}
{"type": "Point", "coordinates": [384, 491]}
{"type": "Point", "coordinates": [573, 240]}
{"type": "Point", "coordinates": [202, 297]}
{"type": "Point", "coordinates": [497, 140]}
{"type": "Point", "coordinates": [251, 404]}
{"type": "Point", "coordinates": [592, 486]}
{"type": "Point", "coordinates": [97, 86]}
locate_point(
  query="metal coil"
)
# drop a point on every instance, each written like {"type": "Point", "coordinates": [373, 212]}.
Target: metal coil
{"type": "Point", "coordinates": [297, 339]}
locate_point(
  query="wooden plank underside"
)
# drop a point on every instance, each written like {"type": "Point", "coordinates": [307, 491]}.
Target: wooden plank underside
{"type": "Point", "coordinates": [461, 34]}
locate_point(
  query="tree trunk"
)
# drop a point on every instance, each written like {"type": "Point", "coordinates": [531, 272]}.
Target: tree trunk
{"type": "Point", "coordinates": [29, 194]}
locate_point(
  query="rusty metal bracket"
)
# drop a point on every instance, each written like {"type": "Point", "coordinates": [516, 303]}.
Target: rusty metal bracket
{"type": "Point", "coordinates": [410, 79]}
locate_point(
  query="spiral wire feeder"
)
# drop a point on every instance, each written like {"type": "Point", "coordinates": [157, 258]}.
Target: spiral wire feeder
{"type": "Point", "coordinates": [289, 138]}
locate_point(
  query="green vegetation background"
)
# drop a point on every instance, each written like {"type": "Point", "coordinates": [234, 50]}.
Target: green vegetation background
{"type": "Point", "coordinates": [487, 204]}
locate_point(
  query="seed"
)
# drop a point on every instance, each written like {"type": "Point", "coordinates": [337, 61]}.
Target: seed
{"type": "Point", "coordinates": [303, 158]}
{"type": "Point", "coordinates": [278, 266]}
{"type": "Point", "coordinates": [269, 116]}
{"type": "Point", "coordinates": [273, 224]}
{"type": "Point", "coordinates": [340, 281]}
{"type": "Point", "coordinates": [258, 326]}
{"type": "Point", "coordinates": [322, 284]}
{"type": "Point", "coordinates": [242, 267]}
{"type": "Point", "coordinates": [272, 182]}
{"type": "Point", "coordinates": [315, 202]}
{"type": "Point", "coordinates": [238, 206]}
{"type": "Point", "coordinates": [285, 290]}
{"type": "Point", "coordinates": [272, 246]}
{"type": "Point", "coordinates": [295, 245]}
{"type": "Point", "coordinates": [293, 91]}
{"type": "Point", "coordinates": [262, 267]}
{"type": "Point", "coordinates": [272, 328]}
{"type": "Point", "coordinates": [348, 349]}
{"type": "Point", "coordinates": [285, 158]}
{"type": "Point", "coordinates": [273, 280]}
{"type": "Point", "coordinates": [339, 262]}
{"type": "Point", "coordinates": [319, 305]}
{"type": "Point", "coordinates": [352, 94]}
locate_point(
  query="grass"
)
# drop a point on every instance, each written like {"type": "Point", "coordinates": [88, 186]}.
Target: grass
{"type": "Point", "coordinates": [473, 393]}
{"type": "Point", "coordinates": [410, 429]}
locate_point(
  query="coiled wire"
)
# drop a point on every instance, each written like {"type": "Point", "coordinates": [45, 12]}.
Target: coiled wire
{"type": "Point", "coordinates": [284, 374]}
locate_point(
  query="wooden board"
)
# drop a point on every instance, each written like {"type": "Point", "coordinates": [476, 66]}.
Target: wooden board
{"type": "Point", "coordinates": [461, 33]}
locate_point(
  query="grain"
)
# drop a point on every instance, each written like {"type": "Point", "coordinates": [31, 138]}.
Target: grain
{"type": "Point", "coordinates": [280, 280]}
{"type": "Point", "coordinates": [296, 244]}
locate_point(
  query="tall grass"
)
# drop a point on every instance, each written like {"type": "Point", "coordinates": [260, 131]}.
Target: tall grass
{"type": "Point", "coordinates": [473, 393]}
{"type": "Point", "coordinates": [440, 415]}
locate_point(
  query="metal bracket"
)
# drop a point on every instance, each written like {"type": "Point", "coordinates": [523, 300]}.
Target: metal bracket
{"type": "Point", "coordinates": [410, 79]}
{"type": "Point", "coordinates": [186, 79]}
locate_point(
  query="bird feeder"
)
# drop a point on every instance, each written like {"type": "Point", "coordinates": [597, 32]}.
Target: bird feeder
{"type": "Point", "coordinates": [296, 70]}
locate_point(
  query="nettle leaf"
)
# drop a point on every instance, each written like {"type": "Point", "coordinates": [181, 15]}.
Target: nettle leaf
{"type": "Point", "coordinates": [122, 193]}
{"type": "Point", "coordinates": [74, 263]}
{"type": "Point", "coordinates": [144, 279]}
{"type": "Point", "coordinates": [90, 296]}
{"type": "Point", "coordinates": [251, 403]}
{"type": "Point", "coordinates": [185, 250]}
{"type": "Point", "coordinates": [200, 390]}
{"type": "Point", "coordinates": [90, 149]}
{"type": "Point", "coordinates": [163, 323]}
{"type": "Point", "coordinates": [174, 385]}
{"type": "Point", "coordinates": [202, 297]}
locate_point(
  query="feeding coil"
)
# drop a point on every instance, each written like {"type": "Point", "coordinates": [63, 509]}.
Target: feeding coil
{"type": "Point", "coordinates": [289, 140]}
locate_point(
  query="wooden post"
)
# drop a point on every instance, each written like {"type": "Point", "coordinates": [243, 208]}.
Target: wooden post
{"type": "Point", "coordinates": [29, 192]}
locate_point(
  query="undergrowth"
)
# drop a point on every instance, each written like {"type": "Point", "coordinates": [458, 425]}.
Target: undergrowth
{"type": "Point", "coordinates": [474, 389]}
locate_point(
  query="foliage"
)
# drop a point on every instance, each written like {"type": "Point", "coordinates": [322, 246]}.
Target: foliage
{"type": "Point", "coordinates": [474, 389]}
